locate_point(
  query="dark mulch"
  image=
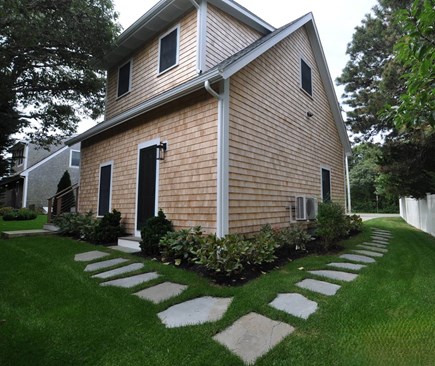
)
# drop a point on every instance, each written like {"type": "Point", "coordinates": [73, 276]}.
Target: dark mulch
{"type": "Point", "coordinates": [283, 257]}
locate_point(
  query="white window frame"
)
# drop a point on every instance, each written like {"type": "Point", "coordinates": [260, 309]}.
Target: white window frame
{"type": "Point", "coordinates": [129, 80]}
{"type": "Point", "coordinates": [325, 167]}
{"type": "Point", "coordinates": [70, 159]}
{"type": "Point", "coordinates": [300, 76]}
{"type": "Point", "coordinates": [99, 186]}
{"type": "Point", "coordinates": [177, 57]}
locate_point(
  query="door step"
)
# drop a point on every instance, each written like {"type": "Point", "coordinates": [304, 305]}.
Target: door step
{"type": "Point", "coordinates": [131, 242]}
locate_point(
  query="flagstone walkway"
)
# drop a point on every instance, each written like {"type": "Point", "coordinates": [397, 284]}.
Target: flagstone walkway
{"type": "Point", "coordinates": [253, 335]}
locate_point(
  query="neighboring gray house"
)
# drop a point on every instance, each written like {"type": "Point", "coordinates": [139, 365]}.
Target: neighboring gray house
{"type": "Point", "coordinates": [36, 173]}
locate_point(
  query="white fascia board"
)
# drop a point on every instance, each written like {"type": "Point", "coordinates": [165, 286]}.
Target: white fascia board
{"type": "Point", "coordinates": [258, 51]}
{"type": "Point", "coordinates": [43, 161]}
{"type": "Point", "coordinates": [153, 103]}
{"type": "Point", "coordinates": [329, 86]}
{"type": "Point", "coordinates": [243, 14]}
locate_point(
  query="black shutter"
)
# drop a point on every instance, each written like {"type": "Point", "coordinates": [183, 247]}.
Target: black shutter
{"type": "Point", "coordinates": [326, 185]}
{"type": "Point", "coordinates": [104, 195]}
{"type": "Point", "coordinates": [168, 50]}
{"type": "Point", "coordinates": [306, 78]}
{"type": "Point", "coordinates": [124, 79]}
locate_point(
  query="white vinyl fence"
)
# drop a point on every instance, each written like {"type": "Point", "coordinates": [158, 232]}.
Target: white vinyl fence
{"type": "Point", "coordinates": [419, 213]}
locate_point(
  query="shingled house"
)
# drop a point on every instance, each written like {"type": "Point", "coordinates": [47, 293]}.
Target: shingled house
{"type": "Point", "coordinates": [216, 117]}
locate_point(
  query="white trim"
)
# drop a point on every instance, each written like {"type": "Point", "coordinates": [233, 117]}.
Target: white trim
{"type": "Point", "coordinates": [222, 209]}
{"type": "Point", "coordinates": [26, 156]}
{"type": "Point", "coordinates": [25, 189]}
{"type": "Point", "coordinates": [129, 81]}
{"type": "Point", "coordinates": [141, 146]}
{"type": "Point", "coordinates": [300, 76]}
{"type": "Point", "coordinates": [99, 186]}
{"type": "Point", "coordinates": [325, 167]}
{"type": "Point", "coordinates": [347, 185]}
{"type": "Point", "coordinates": [43, 161]}
{"type": "Point", "coordinates": [177, 56]}
{"type": "Point", "coordinates": [70, 159]}
{"type": "Point", "coordinates": [202, 36]}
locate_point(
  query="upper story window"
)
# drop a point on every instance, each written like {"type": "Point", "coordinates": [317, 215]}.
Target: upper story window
{"type": "Point", "coordinates": [168, 49]}
{"type": "Point", "coordinates": [18, 156]}
{"type": "Point", "coordinates": [124, 78]}
{"type": "Point", "coordinates": [74, 160]}
{"type": "Point", "coordinates": [306, 80]}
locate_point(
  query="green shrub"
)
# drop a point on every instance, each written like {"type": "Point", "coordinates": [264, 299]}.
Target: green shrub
{"type": "Point", "coordinates": [4, 210]}
{"type": "Point", "coordinates": [354, 224]}
{"type": "Point", "coordinates": [331, 224]}
{"type": "Point", "coordinates": [21, 214]}
{"type": "Point", "coordinates": [109, 228]}
{"type": "Point", "coordinates": [155, 228]}
{"type": "Point", "coordinates": [294, 238]}
{"type": "Point", "coordinates": [182, 244]}
{"type": "Point", "coordinates": [86, 227]}
{"type": "Point", "coordinates": [232, 254]}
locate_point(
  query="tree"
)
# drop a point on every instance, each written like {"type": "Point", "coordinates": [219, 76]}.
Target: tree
{"type": "Point", "coordinates": [415, 50]}
{"type": "Point", "coordinates": [48, 78]}
{"type": "Point", "coordinates": [368, 182]}
{"type": "Point", "coordinates": [67, 200]}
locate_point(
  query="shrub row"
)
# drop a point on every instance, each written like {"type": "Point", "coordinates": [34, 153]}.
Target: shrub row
{"type": "Point", "coordinates": [230, 255]}
{"type": "Point", "coordinates": [21, 214]}
{"type": "Point", "coordinates": [86, 227]}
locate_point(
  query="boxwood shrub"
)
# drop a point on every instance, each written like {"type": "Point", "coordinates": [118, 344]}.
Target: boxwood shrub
{"type": "Point", "coordinates": [21, 214]}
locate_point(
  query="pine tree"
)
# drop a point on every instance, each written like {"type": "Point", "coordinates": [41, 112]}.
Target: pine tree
{"type": "Point", "coordinates": [67, 200]}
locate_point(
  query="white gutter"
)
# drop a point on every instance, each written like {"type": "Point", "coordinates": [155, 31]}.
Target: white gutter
{"type": "Point", "coordinates": [222, 200]}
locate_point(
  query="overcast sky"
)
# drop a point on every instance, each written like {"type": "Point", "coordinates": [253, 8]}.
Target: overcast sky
{"type": "Point", "coordinates": [335, 20]}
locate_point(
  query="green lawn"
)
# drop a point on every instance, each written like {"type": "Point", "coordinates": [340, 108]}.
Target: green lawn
{"type": "Point", "coordinates": [53, 313]}
{"type": "Point", "coordinates": [37, 223]}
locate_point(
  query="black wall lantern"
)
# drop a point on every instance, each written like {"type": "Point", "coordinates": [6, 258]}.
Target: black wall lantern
{"type": "Point", "coordinates": [161, 150]}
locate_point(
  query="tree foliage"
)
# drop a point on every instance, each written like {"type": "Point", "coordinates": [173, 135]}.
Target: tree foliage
{"type": "Point", "coordinates": [68, 200]}
{"type": "Point", "coordinates": [47, 76]}
{"type": "Point", "coordinates": [389, 86]}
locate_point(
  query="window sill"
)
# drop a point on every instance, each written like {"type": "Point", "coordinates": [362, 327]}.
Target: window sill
{"type": "Point", "coordinates": [166, 70]}
{"type": "Point", "coordinates": [123, 95]}
{"type": "Point", "coordinates": [306, 93]}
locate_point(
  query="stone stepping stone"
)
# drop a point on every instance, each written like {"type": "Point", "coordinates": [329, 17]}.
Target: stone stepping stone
{"type": "Point", "coordinates": [369, 247]}
{"type": "Point", "coordinates": [383, 235]}
{"type": "Point", "coordinates": [322, 287]}
{"type": "Point", "coordinates": [344, 265]}
{"type": "Point", "coordinates": [132, 281]}
{"type": "Point", "coordinates": [335, 275]}
{"type": "Point", "coordinates": [196, 311]}
{"type": "Point", "coordinates": [90, 256]}
{"type": "Point", "coordinates": [117, 271]}
{"type": "Point", "coordinates": [382, 230]}
{"type": "Point", "coordinates": [376, 245]}
{"type": "Point", "coordinates": [357, 258]}
{"type": "Point", "coordinates": [252, 336]}
{"type": "Point", "coordinates": [294, 304]}
{"type": "Point", "coordinates": [384, 243]}
{"type": "Point", "coordinates": [104, 264]}
{"type": "Point", "coordinates": [368, 252]}
{"type": "Point", "coordinates": [124, 249]}
{"type": "Point", "coordinates": [162, 292]}
{"type": "Point", "coordinates": [377, 238]}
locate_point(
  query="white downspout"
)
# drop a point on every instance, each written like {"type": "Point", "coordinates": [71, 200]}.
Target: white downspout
{"type": "Point", "coordinates": [222, 199]}
{"type": "Point", "coordinates": [349, 203]}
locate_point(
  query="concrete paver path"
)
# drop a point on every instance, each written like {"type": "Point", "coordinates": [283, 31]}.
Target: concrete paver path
{"type": "Point", "coordinates": [368, 252]}
{"type": "Point", "coordinates": [252, 336]}
{"type": "Point", "coordinates": [345, 265]}
{"type": "Point", "coordinates": [335, 275]}
{"type": "Point", "coordinates": [196, 311]}
{"type": "Point", "coordinates": [162, 292]}
{"type": "Point", "coordinates": [104, 264]}
{"type": "Point", "coordinates": [375, 249]}
{"type": "Point", "coordinates": [132, 281]}
{"type": "Point", "coordinates": [322, 287]}
{"type": "Point", "coordinates": [121, 270]}
{"type": "Point", "coordinates": [294, 304]}
{"type": "Point", "coordinates": [90, 256]}
{"type": "Point", "coordinates": [357, 258]}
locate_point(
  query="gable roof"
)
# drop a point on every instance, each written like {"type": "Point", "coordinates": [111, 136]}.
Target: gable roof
{"type": "Point", "coordinates": [162, 15]}
{"type": "Point", "coordinates": [229, 67]}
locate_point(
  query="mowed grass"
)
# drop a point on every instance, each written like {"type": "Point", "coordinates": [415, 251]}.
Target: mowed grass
{"type": "Point", "coordinates": [53, 313]}
{"type": "Point", "coordinates": [37, 223]}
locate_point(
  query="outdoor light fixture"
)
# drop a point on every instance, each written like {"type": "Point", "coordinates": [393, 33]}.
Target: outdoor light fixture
{"type": "Point", "coordinates": [161, 150]}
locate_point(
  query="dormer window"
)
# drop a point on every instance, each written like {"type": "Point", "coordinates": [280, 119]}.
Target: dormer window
{"type": "Point", "coordinates": [18, 156]}
{"type": "Point", "coordinates": [124, 79]}
{"type": "Point", "coordinates": [306, 81]}
{"type": "Point", "coordinates": [168, 49]}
